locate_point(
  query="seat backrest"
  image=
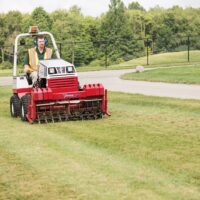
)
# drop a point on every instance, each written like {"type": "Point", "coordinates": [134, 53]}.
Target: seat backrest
{"type": "Point", "coordinates": [29, 79]}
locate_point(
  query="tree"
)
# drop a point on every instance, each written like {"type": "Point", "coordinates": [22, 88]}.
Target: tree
{"type": "Point", "coordinates": [135, 6]}
{"type": "Point", "coordinates": [116, 30]}
{"type": "Point", "coordinates": [115, 33]}
{"type": "Point", "coordinates": [26, 22]}
{"type": "Point", "coordinates": [72, 29]}
{"type": "Point", "coordinates": [40, 18]}
{"type": "Point", "coordinates": [13, 21]}
{"type": "Point", "coordinates": [3, 29]}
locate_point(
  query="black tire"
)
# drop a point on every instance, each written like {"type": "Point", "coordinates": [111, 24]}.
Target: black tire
{"type": "Point", "coordinates": [14, 106]}
{"type": "Point", "coordinates": [24, 107]}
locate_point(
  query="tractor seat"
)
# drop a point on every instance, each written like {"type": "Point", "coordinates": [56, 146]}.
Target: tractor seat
{"type": "Point", "coordinates": [29, 79]}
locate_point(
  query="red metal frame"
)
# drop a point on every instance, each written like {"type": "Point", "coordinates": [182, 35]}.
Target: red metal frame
{"type": "Point", "coordinates": [59, 90]}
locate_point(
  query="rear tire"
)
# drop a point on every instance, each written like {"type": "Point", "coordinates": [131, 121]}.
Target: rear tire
{"type": "Point", "coordinates": [14, 106]}
{"type": "Point", "coordinates": [24, 107]}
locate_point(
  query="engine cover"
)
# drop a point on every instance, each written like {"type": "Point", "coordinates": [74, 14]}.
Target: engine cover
{"type": "Point", "coordinates": [55, 68]}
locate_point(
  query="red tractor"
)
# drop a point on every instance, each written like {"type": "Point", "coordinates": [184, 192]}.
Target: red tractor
{"type": "Point", "coordinates": [57, 96]}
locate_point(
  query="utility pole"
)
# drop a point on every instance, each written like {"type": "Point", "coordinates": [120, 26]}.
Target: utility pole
{"type": "Point", "coordinates": [73, 56]}
{"type": "Point", "coordinates": [106, 56]}
{"type": "Point", "coordinates": [147, 51]}
{"type": "Point", "coordinates": [60, 50]}
{"type": "Point", "coordinates": [2, 54]}
{"type": "Point", "coordinates": [188, 42]}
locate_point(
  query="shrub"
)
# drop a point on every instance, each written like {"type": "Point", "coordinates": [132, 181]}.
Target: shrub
{"type": "Point", "coordinates": [6, 65]}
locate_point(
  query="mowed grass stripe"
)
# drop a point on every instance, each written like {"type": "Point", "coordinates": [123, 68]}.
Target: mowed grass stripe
{"type": "Point", "coordinates": [73, 163]}
{"type": "Point", "coordinates": [148, 149]}
{"type": "Point", "coordinates": [20, 181]}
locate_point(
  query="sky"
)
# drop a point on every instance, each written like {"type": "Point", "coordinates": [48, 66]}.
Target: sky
{"type": "Point", "coordinates": [89, 7]}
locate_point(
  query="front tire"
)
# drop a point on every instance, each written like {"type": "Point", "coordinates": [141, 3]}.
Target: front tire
{"type": "Point", "coordinates": [14, 106]}
{"type": "Point", "coordinates": [24, 107]}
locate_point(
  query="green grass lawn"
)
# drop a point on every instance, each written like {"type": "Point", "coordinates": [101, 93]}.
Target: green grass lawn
{"type": "Point", "coordinates": [189, 75]}
{"type": "Point", "coordinates": [157, 60]}
{"type": "Point", "coordinates": [148, 149]}
{"type": "Point", "coordinates": [5, 72]}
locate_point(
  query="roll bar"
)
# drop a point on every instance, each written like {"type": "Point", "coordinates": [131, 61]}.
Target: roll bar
{"type": "Point", "coordinates": [31, 35]}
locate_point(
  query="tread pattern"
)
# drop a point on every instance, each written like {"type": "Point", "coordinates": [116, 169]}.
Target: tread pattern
{"type": "Point", "coordinates": [24, 107]}
{"type": "Point", "coordinates": [14, 106]}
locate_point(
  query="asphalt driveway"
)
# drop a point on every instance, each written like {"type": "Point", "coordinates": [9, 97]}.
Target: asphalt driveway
{"type": "Point", "coordinates": [111, 80]}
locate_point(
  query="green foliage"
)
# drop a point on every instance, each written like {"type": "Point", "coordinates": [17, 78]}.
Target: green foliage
{"type": "Point", "coordinates": [3, 29]}
{"type": "Point", "coordinates": [6, 65]}
{"type": "Point", "coordinates": [113, 35]}
{"type": "Point", "coordinates": [119, 60]}
{"type": "Point", "coordinates": [26, 22]}
{"type": "Point", "coordinates": [135, 6]}
{"type": "Point", "coordinates": [41, 18]}
{"type": "Point", "coordinates": [13, 21]}
{"type": "Point", "coordinates": [116, 30]}
{"type": "Point", "coordinates": [71, 28]}
{"type": "Point", "coordinates": [98, 62]}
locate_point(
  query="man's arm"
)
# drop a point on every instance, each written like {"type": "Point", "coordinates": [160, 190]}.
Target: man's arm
{"type": "Point", "coordinates": [26, 69]}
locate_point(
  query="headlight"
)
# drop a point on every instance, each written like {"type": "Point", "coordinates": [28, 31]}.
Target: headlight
{"type": "Point", "coordinates": [52, 70]}
{"type": "Point", "coordinates": [70, 69]}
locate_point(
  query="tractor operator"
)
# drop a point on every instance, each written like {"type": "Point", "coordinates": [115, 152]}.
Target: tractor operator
{"type": "Point", "coordinates": [40, 52]}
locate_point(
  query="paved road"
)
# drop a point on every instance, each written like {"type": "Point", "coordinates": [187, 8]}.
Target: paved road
{"type": "Point", "coordinates": [5, 81]}
{"type": "Point", "coordinates": [111, 80]}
